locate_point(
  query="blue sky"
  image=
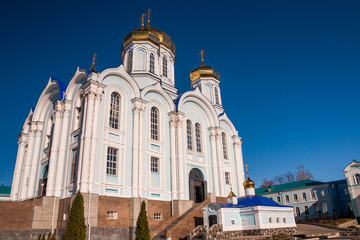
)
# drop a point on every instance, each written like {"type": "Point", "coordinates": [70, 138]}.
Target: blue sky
{"type": "Point", "coordinates": [289, 69]}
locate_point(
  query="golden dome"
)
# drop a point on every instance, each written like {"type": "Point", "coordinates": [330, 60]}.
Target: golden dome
{"type": "Point", "coordinates": [204, 71]}
{"type": "Point", "coordinates": [151, 34]}
{"type": "Point", "coordinates": [248, 182]}
{"type": "Point", "coordinates": [231, 194]}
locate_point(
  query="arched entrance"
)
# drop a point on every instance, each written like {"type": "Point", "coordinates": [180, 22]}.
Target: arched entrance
{"type": "Point", "coordinates": [43, 182]}
{"type": "Point", "coordinates": [197, 186]}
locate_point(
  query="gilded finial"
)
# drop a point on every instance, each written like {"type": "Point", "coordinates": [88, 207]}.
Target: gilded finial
{"type": "Point", "coordinates": [202, 57]}
{"type": "Point", "coordinates": [93, 64]}
{"type": "Point", "coordinates": [148, 18]}
{"type": "Point", "coordinates": [247, 170]}
{"type": "Point", "coordinates": [142, 19]}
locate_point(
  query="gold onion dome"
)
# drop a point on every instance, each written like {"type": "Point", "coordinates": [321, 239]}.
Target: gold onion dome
{"type": "Point", "coordinates": [151, 34]}
{"type": "Point", "coordinates": [203, 71]}
{"type": "Point", "coordinates": [248, 182]}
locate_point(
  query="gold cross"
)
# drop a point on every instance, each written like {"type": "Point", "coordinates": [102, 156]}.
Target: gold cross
{"type": "Point", "coordinates": [202, 56]}
{"type": "Point", "coordinates": [94, 57]}
{"type": "Point", "coordinates": [93, 64]}
{"type": "Point", "coordinates": [148, 21]}
{"type": "Point", "coordinates": [142, 19]}
{"type": "Point", "coordinates": [247, 171]}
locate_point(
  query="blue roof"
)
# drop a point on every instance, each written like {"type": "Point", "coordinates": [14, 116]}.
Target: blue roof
{"type": "Point", "coordinates": [248, 201]}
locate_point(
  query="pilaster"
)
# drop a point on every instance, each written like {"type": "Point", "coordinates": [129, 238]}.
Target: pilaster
{"type": "Point", "coordinates": [26, 172]}
{"type": "Point", "coordinates": [18, 167]}
{"type": "Point", "coordinates": [174, 191]}
{"type": "Point", "coordinates": [54, 149]}
{"type": "Point", "coordinates": [218, 132]}
{"type": "Point", "coordinates": [212, 132]}
{"type": "Point", "coordinates": [180, 137]}
{"type": "Point", "coordinates": [237, 142]}
{"type": "Point", "coordinates": [35, 160]}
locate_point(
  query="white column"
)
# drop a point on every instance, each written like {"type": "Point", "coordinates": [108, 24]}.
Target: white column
{"type": "Point", "coordinates": [18, 168]}
{"type": "Point", "coordinates": [94, 135]}
{"type": "Point", "coordinates": [141, 144]}
{"type": "Point", "coordinates": [54, 149]}
{"type": "Point", "coordinates": [35, 161]}
{"type": "Point", "coordinates": [220, 161]}
{"type": "Point", "coordinates": [26, 172]}
{"type": "Point", "coordinates": [135, 148]}
{"type": "Point", "coordinates": [239, 165]}
{"type": "Point", "coordinates": [90, 96]}
{"type": "Point", "coordinates": [172, 118]}
{"type": "Point", "coordinates": [180, 149]}
{"type": "Point", "coordinates": [59, 182]}
{"type": "Point", "coordinates": [214, 161]}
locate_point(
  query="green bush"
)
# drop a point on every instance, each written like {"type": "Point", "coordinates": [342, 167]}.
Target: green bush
{"type": "Point", "coordinates": [76, 228]}
{"type": "Point", "coordinates": [142, 225]}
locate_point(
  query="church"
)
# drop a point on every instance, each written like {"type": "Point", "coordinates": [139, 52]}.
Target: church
{"type": "Point", "coordinates": [125, 135]}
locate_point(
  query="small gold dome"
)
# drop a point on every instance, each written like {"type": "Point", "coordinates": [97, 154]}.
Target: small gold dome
{"type": "Point", "coordinates": [231, 194]}
{"type": "Point", "coordinates": [151, 34]}
{"type": "Point", "coordinates": [204, 71]}
{"type": "Point", "coordinates": [248, 182]}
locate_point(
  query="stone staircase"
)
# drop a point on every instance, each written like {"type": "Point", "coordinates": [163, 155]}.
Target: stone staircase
{"type": "Point", "coordinates": [177, 227]}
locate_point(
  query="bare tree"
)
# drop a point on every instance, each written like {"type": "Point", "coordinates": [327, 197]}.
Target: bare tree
{"type": "Point", "coordinates": [303, 174]}
{"type": "Point", "coordinates": [288, 177]}
{"type": "Point", "coordinates": [267, 183]}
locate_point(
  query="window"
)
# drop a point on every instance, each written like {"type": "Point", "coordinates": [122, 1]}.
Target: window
{"type": "Point", "coordinates": [297, 211]}
{"type": "Point", "coordinates": [322, 193]}
{"type": "Point", "coordinates": [129, 61]}
{"type": "Point", "coordinates": [284, 219]}
{"type": "Point", "coordinates": [114, 111]}
{"type": "Point", "coordinates": [346, 191]}
{"type": "Point", "coordinates": [112, 215]}
{"type": "Point", "coordinates": [303, 196]}
{"type": "Point", "coordinates": [74, 165]}
{"type": "Point", "coordinates": [198, 137]}
{"type": "Point", "coordinates": [227, 178]}
{"type": "Point", "coordinates": [233, 222]}
{"type": "Point", "coordinates": [111, 161]}
{"type": "Point", "coordinates": [316, 207]}
{"type": "Point", "coordinates": [306, 208]}
{"type": "Point", "coordinates": [244, 221]}
{"type": "Point", "coordinates": [152, 63]}
{"type": "Point", "coordinates": [287, 199]}
{"type": "Point", "coordinates": [154, 165]}
{"type": "Point", "coordinates": [295, 197]}
{"type": "Point", "coordinates": [225, 153]}
{"type": "Point", "coordinates": [189, 135]}
{"type": "Point", "coordinates": [278, 199]}
{"type": "Point", "coordinates": [165, 67]}
{"type": "Point", "coordinates": [313, 196]}
{"type": "Point", "coordinates": [357, 179]}
{"type": "Point", "coordinates": [154, 123]}
{"type": "Point", "coordinates": [324, 208]}
{"type": "Point", "coordinates": [157, 216]}
{"type": "Point", "coordinates": [216, 96]}
{"type": "Point", "coordinates": [270, 220]}
{"type": "Point", "coordinates": [277, 220]}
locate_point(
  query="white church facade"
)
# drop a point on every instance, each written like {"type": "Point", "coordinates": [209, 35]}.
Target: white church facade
{"type": "Point", "coordinates": [127, 132]}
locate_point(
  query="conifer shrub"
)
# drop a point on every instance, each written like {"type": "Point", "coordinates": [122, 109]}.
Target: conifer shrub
{"type": "Point", "coordinates": [76, 228]}
{"type": "Point", "coordinates": [142, 225]}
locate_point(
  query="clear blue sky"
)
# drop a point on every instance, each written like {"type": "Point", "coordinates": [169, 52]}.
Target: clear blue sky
{"type": "Point", "coordinates": [289, 69]}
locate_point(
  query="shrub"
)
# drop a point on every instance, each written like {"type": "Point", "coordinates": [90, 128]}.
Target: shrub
{"type": "Point", "coordinates": [76, 228]}
{"type": "Point", "coordinates": [142, 225]}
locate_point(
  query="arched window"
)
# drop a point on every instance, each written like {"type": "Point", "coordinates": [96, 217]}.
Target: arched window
{"type": "Point", "coordinates": [154, 123]}
{"type": "Point", "coordinates": [189, 135]}
{"type": "Point", "coordinates": [129, 61]}
{"type": "Point", "coordinates": [152, 63]}
{"type": "Point", "coordinates": [78, 112]}
{"type": "Point", "coordinates": [297, 211]}
{"type": "Point", "coordinates": [198, 137]}
{"type": "Point", "coordinates": [225, 153]}
{"type": "Point", "coordinates": [216, 96]}
{"type": "Point", "coordinates": [114, 110]}
{"type": "Point", "coordinates": [139, 59]}
{"type": "Point", "coordinates": [357, 179]}
{"type": "Point", "coordinates": [165, 72]}
{"type": "Point", "coordinates": [74, 166]}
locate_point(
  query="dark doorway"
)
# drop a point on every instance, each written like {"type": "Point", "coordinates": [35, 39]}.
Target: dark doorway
{"type": "Point", "coordinates": [43, 182]}
{"type": "Point", "coordinates": [212, 220]}
{"type": "Point", "coordinates": [197, 186]}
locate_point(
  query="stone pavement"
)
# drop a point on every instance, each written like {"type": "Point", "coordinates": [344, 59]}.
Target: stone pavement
{"type": "Point", "coordinates": [308, 231]}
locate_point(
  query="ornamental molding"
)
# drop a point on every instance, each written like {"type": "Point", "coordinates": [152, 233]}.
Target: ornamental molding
{"type": "Point", "coordinates": [139, 106]}
{"type": "Point", "coordinates": [237, 140]}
